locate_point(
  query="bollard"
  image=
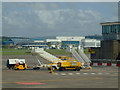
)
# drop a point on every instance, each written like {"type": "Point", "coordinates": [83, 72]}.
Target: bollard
{"type": "Point", "coordinates": [51, 71]}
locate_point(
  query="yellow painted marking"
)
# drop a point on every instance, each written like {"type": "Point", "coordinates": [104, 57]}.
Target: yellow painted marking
{"type": "Point", "coordinates": [55, 80]}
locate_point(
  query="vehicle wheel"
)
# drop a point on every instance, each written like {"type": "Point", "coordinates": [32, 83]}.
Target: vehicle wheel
{"type": "Point", "coordinates": [11, 68]}
{"type": "Point", "coordinates": [53, 68]}
{"type": "Point", "coordinates": [17, 69]}
{"type": "Point", "coordinates": [61, 69]}
{"type": "Point", "coordinates": [24, 68]}
{"type": "Point", "coordinates": [78, 69]}
{"type": "Point", "coordinates": [48, 68]}
{"type": "Point", "coordinates": [37, 68]}
{"type": "Point", "coordinates": [74, 69]}
{"type": "Point", "coordinates": [34, 68]}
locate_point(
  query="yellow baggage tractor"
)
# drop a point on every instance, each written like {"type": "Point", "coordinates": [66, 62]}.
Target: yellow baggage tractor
{"type": "Point", "coordinates": [16, 64]}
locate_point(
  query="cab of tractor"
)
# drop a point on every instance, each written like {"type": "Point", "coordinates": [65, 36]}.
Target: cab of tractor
{"type": "Point", "coordinates": [20, 66]}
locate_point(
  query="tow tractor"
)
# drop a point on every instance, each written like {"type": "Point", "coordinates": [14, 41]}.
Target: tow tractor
{"type": "Point", "coordinates": [66, 63]}
{"type": "Point", "coordinates": [16, 64]}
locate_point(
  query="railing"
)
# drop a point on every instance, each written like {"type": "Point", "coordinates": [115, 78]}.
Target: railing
{"type": "Point", "coordinates": [77, 56]}
{"type": "Point", "coordinates": [85, 58]}
{"type": "Point", "coordinates": [105, 61]}
{"type": "Point", "coordinates": [47, 56]}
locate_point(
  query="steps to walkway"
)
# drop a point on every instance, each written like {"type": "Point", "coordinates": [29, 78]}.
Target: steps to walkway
{"type": "Point", "coordinates": [45, 55]}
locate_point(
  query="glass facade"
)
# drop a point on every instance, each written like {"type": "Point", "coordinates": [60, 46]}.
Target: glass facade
{"type": "Point", "coordinates": [37, 43]}
{"type": "Point", "coordinates": [111, 30]}
{"type": "Point", "coordinates": [65, 43]}
{"type": "Point", "coordinates": [89, 44]}
{"type": "Point", "coordinates": [106, 29]}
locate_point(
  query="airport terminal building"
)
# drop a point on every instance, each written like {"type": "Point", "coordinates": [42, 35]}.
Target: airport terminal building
{"type": "Point", "coordinates": [75, 41]}
{"type": "Point", "coordinates": [111, 30]}
{"type": "Point", "coordinates": [110, 46]}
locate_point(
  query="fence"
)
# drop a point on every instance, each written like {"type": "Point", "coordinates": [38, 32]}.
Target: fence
{"type": "Point", "coordinates": [105, 62]}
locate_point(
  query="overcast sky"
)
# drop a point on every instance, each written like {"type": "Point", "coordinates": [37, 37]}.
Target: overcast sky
{"type": "Point", "coordinates": [38, 19]}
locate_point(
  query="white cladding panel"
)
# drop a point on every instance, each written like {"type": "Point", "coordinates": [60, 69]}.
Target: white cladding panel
{"type": "Point", "coordinates": [53, 40]}
{"type": "Point", "coordinates": [14, 61]}
{"type": "Point", "coordinates": [70, 38]}
{"type": "Point", "coordinates": [90, 43]}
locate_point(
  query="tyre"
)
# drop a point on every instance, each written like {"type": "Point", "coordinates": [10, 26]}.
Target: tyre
{"type": "Point", "coordinates": [37, 68]}
{"type": "Point", "coordinates": [74, 69]}
{"type": "Point", "coordinates": [48, 68]}
{"type": "Point", "coordinates": [53, 68]}
{"type": "Point", "coordinates": [61, 69]}
{"type": "Point", "coordinates": [24, 68]}
{"type": "Point", "coordinates": [78, 69]}
{"type": "Point", "coordinates": [11, 68]}
{"type": "Point", "coordinates": [17, 69]}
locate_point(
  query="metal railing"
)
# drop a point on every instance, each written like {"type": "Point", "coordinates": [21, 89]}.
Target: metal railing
{"type": "Point", "coordinates": [105, 61]}
{"type": "Point", "coordinates": [77, 56]}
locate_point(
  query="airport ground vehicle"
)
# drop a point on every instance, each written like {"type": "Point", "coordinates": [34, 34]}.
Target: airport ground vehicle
{"type": "Point", "coordinates": [16, 64]}
{"type": "Point", "coordinates": [54, 64]}
{"type": "Point", "coordinates": [69, 65]}
{"type": "Point", "coordinates": [66, 63]}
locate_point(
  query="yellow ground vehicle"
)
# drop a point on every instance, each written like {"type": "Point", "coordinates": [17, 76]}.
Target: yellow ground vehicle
{"type": "Point", "coordinates": [66, 63]}
{"type": "Point", "coordinates": [69, 65]}
{"type": "Point", "coordinates": [54, 66]}
{"type": "Point", "coordinates": [16, 64]}
{"type": "Point", "coordinates": [20, 67]}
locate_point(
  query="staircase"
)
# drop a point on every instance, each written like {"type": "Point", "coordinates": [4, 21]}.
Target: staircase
{"type": "Point", "coordinates": [45, 55]}
{"type": "Point", "coordinates": [80, 57]}
{"type": "Point", "coordinates": [83, 56]}
{"type": "Point", "coordinates": [77, 56]}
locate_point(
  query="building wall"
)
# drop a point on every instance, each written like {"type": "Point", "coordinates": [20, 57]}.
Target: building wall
{"type": "Point", "coordinates": [96, 55]}
{"type": "Point", "coordinates": [106, 49]}
{"type": "Point", "coordinates": [70, 38]}
{"type": "Point", "coordinates": [90, 43]}
{"type": "Point", "coordinates": [110, 49]}
{"type": "Point", "coordinates": [116, 49]}
{"type": "Point", "coordinates": [53, 40]}
{"type": "Point", "coordinates": [110, 46]}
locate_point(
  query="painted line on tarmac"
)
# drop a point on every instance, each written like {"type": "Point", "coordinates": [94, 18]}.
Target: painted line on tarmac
{"type": "Point", "coordinates": [77, 73]}
{"type": "Point", "coordinates": [70, 73]}
{"type": "Point", "coordinates": [85, 73]}
{"type": "Point", "coordinates": [52, 80]}
{"type": "Point", "coordinates": [99, 73]}
{"type": "Point", "coordinates": [93, 73]}
{"type": "Point", "coordinates": [63, 74]}
{"type": "Point", "coordinates": [29, 83]}
{"type": "Point", "coordinates": [56, 73]}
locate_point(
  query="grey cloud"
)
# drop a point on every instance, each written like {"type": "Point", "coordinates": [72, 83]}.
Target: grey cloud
{"type": "Point", "coordinates": [60, 21]}
{"type": "Point", "coordinates": [45, 19]}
